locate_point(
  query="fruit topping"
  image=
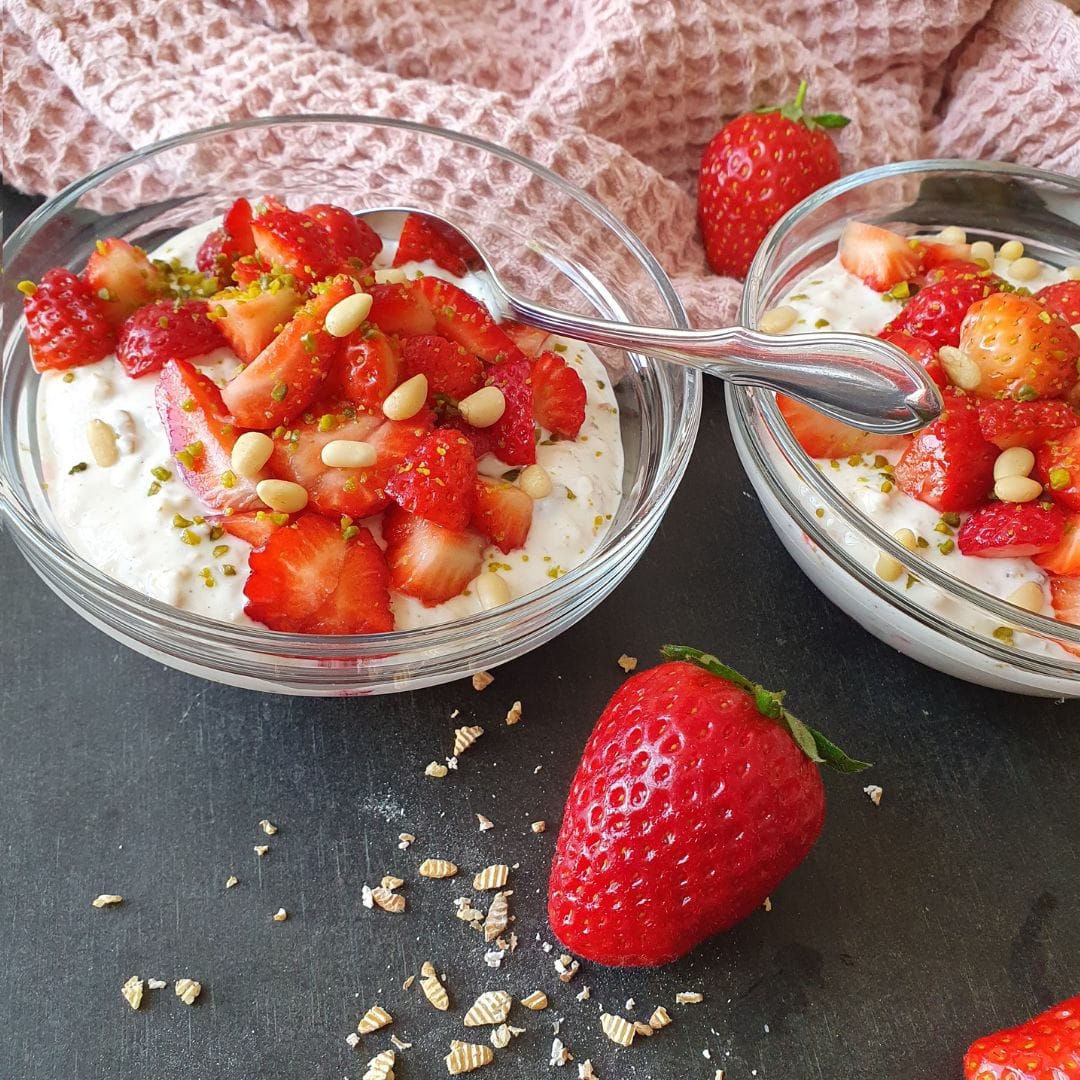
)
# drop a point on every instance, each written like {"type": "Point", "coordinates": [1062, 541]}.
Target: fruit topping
{"type": "Point", "coordinates": [880, 258]}
{"type": "Point", "coordinates": [558, 395]}
{"type": "Point", "coordinates": [166, 330]}
{"type": "Point", "coordinates": [1011, 530]}
{"type": "Point", "coordinates": [65, 322]}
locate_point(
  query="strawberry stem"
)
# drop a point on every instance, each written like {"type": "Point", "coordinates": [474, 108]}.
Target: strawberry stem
{"type": "Point", "coordinates": [793, 111]}
{"type": "Point", "coordinates": [800, 94]}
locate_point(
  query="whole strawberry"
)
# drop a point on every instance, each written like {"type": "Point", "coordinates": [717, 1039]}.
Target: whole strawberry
{"type": "Point", "coordinates": [755, 170]}
{"type": "Point", "coordinates": [1046, 1047]}
{"type": "Point", "coordinates": [697, 794]}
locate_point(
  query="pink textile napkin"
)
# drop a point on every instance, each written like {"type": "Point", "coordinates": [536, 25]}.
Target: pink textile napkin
{"type": "Point", "coordinates": [618, 96]}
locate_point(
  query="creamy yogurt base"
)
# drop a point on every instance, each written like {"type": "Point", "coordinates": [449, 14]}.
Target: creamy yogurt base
{"type": "Point", "coordinates": [108, 517]}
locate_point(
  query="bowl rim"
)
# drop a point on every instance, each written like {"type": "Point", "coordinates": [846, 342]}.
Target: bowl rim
{"type": "Point", "coordinates": [672, 463]}
{"type": "Point", "coordinates": [749, 404]}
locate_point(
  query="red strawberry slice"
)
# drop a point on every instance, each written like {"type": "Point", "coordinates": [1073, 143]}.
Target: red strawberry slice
{"type": "Point", "coordinates": [949, 465]}
{"type": "Point", "coordinates": [502, 513]}
{"type": "Point", "coordinates": [65, 324]}
{"type": "Point", "coordinates": [251, 270]}
{"type": "Point", "coordinates": [558, 395]}
{"type": "Point", "coordinates": [123, 277]}
{"type": "Point", "coordinates": [1011, 530]}
{"type": "Point", "coordinates": [880, 258]}
{"type": "Point", "coordinates": [422, 239]}
{"type": "Point", "coordinates": [1062, 297]}
{"type": "Point", "coordinates": [367, 369]}
{"type": "Point", "coordinates": [437, 480]}
{"type": "Point", "coordinates": [1057, 468]}
{"type": "Point", "coordinates": [253, 528]}
{"type": "Point", "coordinates": [934, 255]}
{"type": "Point", "coordinates": [201, 437]}
{"type": "Point", "coordinates": [513, 436]}
{"type": "Point", "coordinates": [427, 560]}
{"type": "Point", "coordinates": [937, 312]}
{"type": "Point", "coordinates": [1065, 600]}
{"type": "Point", "coordinates": [962, 270]}
{"type": "Point", "coordinates": [400, 308]}
{"type": "Point", "coordinates": [1064, 559]}
{"type": "Point", "coordinates": [251, 318]}
{"type": "Point", "coordinates": [285, 377]}
{"type": "Point", "coordinates": [352, 237]}
{"type": "Point", "coordinates": [216, 255]}
{"type": "Point", "coordinates": [921, 351]}
{"type": "Point", "coordinates": [822, 437]}
{"type": "Point", "coordinates": [237, 223]}
{"type": "Point", "coordinates": [1008, 423]}
{"type": "Point", "coordinates": [298, 244]}
{"type": "Point", "coordinates": [166, 330]}
{"type": "Point", "coordinates": [451, 370]}
{"type": "Point", "coordinates": [529, 339]}
{"type": "Point", "coordinates": [308, 578]}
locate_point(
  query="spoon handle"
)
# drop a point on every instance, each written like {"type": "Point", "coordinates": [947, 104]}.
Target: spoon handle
{"type": "Point", "coordinates": [853, 378]}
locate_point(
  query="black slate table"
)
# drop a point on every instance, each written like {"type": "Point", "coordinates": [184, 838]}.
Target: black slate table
{"type": "Point", "coordinates": [950, 909]}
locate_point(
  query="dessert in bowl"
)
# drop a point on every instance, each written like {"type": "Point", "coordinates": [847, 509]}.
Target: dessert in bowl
{"type": "Point", "coordinates": [955, 578]}
{"type": "Point", "coordinates": [638, 427]}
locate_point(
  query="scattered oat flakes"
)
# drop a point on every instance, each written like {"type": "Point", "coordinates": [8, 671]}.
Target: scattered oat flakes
{"type": "Point", "coordinates": [630, 1003]}
{"type": "Point", "coordinates": [367, 897]}
{"type": "Point", "coordinates": [641, 1028]}
{"type": "Point", "coordinates": [538, 826]}
{"type": "Point", "coordinates": [464, 737]}
{"type": "Point", "coordinates": [513, 714]}
{"type": "Point", "coordinates": [437, 868]}
{"type": "Point", "coordinates": [405, 839]}
{"type": "Point", "coordinates": [388, 901]}
{"type": "Point", "coordinates": [874, 792]}
{"type": "Point", "coordinates": [376, 1017]}
{"type": "Point", "coordinates": [707, 1054]}
{"type": "Point", "coordinates": [688, 997]}
{"type": "Point", "coordinates": [464, 1057]}
{"type": "Point", "coordinates": [627, 663]}
{"type": "Point", "coordinates": [719, 1075]}
{"type": "Point", "coordinates": [455, 714]}
{"type": "Point", "coordinates": [187, 990]}
{"type": "Point", "coordinates": [617, 1029]}
{"type": "Point", "coordinates": [391, 883]}
{"type": "Point", "coordinates": [494, 958]}
{"type": "Point", "coordinates": [231, 880]}
{"type": "Point", "coordinates": [536, 1001]}
{"type": "Point", "coordinates": [380, 1067]}
{"type": "Point", "coordinates": [498, 916]}
{"type": "Point", "coordinates": [408, 982]}
{"type": "Point", "coordinates": [105, 899]}
{"type": "Point", "coordinates": [491, 1007]}
{"type": "Point", "coordinates": [492, 877]}
{"type": "Point", "coordinates": [768, 904]}
{"type": "Point", "coordinates": [566, 967]}
{"type": "Point", "coordinates": [485, 823]}
{"type": "Point", "coordinates": [434, 990]}
{"type": "Point", "coordinates": [559, 1054]}
{"type": "Point", "coordinates": [400, 1044]}
{"type": "Point", "coordinates": [467, 913]}
{"type": "Point", "coordinates": [545, 945]}
{"type": "Point", "coordinates": [482, 680]}
{"type": "Point", "coordinates": [435, 769]}
{"type": "Point", "coordinates": [261, 849]}
{"type": "Point", "coordinates": [268, 827]}
{"type": "Point", "coordinates": [659, 1018]}
{"type": "Point", "coordinates": [353, 1039]}
{"type": "Point", "coordinates": [584, 995]}
{"type": "Point", "coordinates": [500, 1037]}
{"type": "Point", "coordinates": [133, 991]}
{"type": "Point", "coordinates": [280, 915]}
{"type": "Point", "coordinates": [156, 984]}
{"type": "Point", "coordinates": [452, 762]}
{"type": "Point", "coordinates": [585, 1071]}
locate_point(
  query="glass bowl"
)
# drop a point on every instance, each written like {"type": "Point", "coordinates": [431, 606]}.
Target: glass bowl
{"type": "Point", "coordinates": [552, 239]}
{"type": "Point", "coordinates": [942, 622]}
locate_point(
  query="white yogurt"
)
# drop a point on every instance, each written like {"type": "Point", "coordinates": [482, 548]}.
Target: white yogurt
{"type": "Point", "coordinates": [110, 519]}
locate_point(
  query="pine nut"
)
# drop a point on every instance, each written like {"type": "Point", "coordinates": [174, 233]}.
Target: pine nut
{"type": "Point", "coordinates": [390, 275]}
{"type": "Point", "coordinates": [963, 372]}
{"type": "Point", "coordinates": [1025, 269]}
{"type": "Point", "coordinates": [908, 539]}
{"type": "Point", "coordinates": [1028, 596]}
{"type": "Point", "coordinates": [952, 234]}
{"type": "Point", "coordinates": [1016, 461]}
{"type": "Point", "coordinates": [535, 481]}
{"type": "Point", "coordinates": [282, 495]}
{"type": "Point", "coordinates": [778, 319]}
{"type": "Point", "coordinates": [250, 453]}
{"type": "Point", "coordinates": [484, 407]}
{"type": "Point", "coordinates": [407, 400]}
{"type": "Point", "coordinates": [1011, 250]}
{"type": "Point", "coordinates": [887, 568]}
{"type": "Point", "coordinates": [102, 440]}
{"type": "Point", "coordinates": [983, 249]}
{"type": "Point", "coordinates": [1017, 489]}
{"type": "Point", "coordinates": [347, 314]}
{"type": "Point", "coordinates": [492, 591]}
{"type": "Point", "coordinates": [348, 454]}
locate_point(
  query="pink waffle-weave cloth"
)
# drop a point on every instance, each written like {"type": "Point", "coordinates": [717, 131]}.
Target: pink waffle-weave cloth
{"type": "Point", "coordinates": [618, 96]}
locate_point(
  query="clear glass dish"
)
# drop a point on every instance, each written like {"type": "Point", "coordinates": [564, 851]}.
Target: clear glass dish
{"type": "Point", "coordinates": [951, 627]}
{"type": "Point", "coordinates": [555, 242]}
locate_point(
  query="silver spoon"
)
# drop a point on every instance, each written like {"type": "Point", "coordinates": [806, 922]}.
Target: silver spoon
{"type": "Point", "coordinates": [850, 377]}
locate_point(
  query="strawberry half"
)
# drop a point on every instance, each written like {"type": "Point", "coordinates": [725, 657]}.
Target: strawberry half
{"type": "Point", "coordinates": [166, 330]}
{"type": "Point", "coordinates": [201, 437]}
{"type": "Point", "coordinates": [878, 257]}
{"type": "Point", "coordinates": [1011, 530]}
{"type": "Point", "coordinates": [252, 317]}
{"type": "Point", "coordinates": [428, 561]}
{"type": "Point", "coordinates": [66, 326]}
{"type": "Point", "coordinates": [437, 480]}
{"type": "Point", "coordinates": [502, 513]}
{"type": "Point", "coordinates": [422, 239]}
{"type": "Point", "coordinates": [937, 312]}
{"type": "Point", "coordinates": [921, 351]}
{"type": "Point", "coordinates": [451, 370]}
{"type": "Point", "coordinates": [352, 238]}
{"type": "Point", "coordinates": [123, 277]}
{"type": "Point", "coordinates": [298, 244]}
{"type": "Point", "coordinates": [558, 395]}
{"type": "Point", "coordinates": [1008, 423]}
{"type": "Point", "coordinates": [822, 437]}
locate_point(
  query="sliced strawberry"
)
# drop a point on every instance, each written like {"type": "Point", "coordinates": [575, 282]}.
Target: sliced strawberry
{"type": "Point", "coordinates": [1008, 423]}
{"type": "Point", "coordinates": [1057, 468]}
{"type": "Point", "coordinates": [949, 465]}
{"type": "Point", "coordinates": [921, 351]}
{"type": "Point", "coordinates": [308, 578]}
{"type": "Point", "coordinates": [253, 528]}
{"type": "Point", "coordinates": [298, 244]}
{"type": "Point", "coordinates": [123, 277]}
{"type": "Point", "coordinates": [558, 395]}
{"type": "Point", "coordinates": [962, 270]}
{"type": "Point", "coordinates": [352, 237]}
{"type": "Point", "coordinates": [285, 377]}
{"type": "Point", "coordinates": [422, 239]}
{"type": "Point", "coordinates": [65, 322]}
{"type": "Point", "coordinates": [502, 513]}
{"type": "Point", "coordinates": [1065, 600]}
{"type": "Point", "coordinates": [437, 480]}
{"type": "Point", "coordinates": [937, 312]}
{"type": "Point", "coordinates": [254, 270]}
{"type": "Point", "coordinates": [529, 339]}
{"type": "Point", "coordinates": [822, 437]}
{"type": "Point", "coordinates": [934, 255]}
{"type": "Point", "coordinates": [513, 436]}
{"type": "Point", "coordinates": [880, 258]}
{"type": "Point", "coordinates": [216, 255]}
{"type": "Point", "coordinates": [400, 308]}
{"type": "Point", "coordinates": [201, 437]}
{"type": "Point", "coordinates": [1062, 297]}
{"type": "Point", "coordinates": [367, 369]}
{"type": "Point", "coordinates": [166, 330]}
{"type": "Point", "coordinates": [1011, 530]}
{"type": "Point", "coordinates": [251, 318]}
{"type": "Point", "coordinates": [427, 560]}
{"type": "Point", "coordinates": [482, 440]}
{"type": "Point", "coordinates": [1064, 559]}
{"type": "Point", "coordinates": [237, 223]}
{"type": "Point", "coordinates": [465, 320]}
{"type": "Point", "coordinates": [451, 370]}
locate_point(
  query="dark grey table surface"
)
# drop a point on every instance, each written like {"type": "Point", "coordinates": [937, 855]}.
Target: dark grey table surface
{"type": "Point", "coordinates": [912, 927]}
